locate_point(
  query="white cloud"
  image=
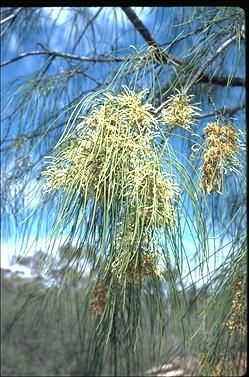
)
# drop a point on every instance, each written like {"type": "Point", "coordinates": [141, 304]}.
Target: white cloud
{"type": "Point", "coordinates": [10, 250]}
{"type": "Point", "coordinates": [25, 271]}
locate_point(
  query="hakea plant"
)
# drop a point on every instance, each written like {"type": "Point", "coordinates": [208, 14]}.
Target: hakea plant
{"type": "Point", "coordinates": [124, 127]}
{"type": "Point", "coordinates": [112, 159]}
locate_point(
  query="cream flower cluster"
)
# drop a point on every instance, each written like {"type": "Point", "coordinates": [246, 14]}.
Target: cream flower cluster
{"type": "Point", "coordinates": [111, 157]}
{"type": "Point", "coordinates": [138, 266]}
{"type": "Point", "coordinates": [114, 147]}
{"type": "Point", "coordinates": [180, 112]}
{"type": "Point", "coordinates": [220, 147]}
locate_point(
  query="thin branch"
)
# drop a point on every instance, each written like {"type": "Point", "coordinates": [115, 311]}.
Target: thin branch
{"type": "Point", "coordinates": [203, 67]}
{"type": "Point", "coordinates": [85, 28]}
{"type": "Point", "coordinates": [13, 15]}
{"type": "Point", "coordinates": [224, 110]}
{"type": "Point", "coordinates": [11, 19]}
{"type": "Point", "coordinates": [141, 28]}
{"type": "Point", "coordinates": [56, 126]}
{"type": "Point", "coordinates": [62, 55]}
{"type": "Point", "coordinates": [223, 81]}
{"type": "Point", "coordinates": [209, 61]}
{"type": "Point", "coordinates": [168, 58]}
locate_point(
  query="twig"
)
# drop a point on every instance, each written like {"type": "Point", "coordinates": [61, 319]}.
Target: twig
{"type": "Point", "coordinates": [223, 81]}
{"type": "Point", "coordinates": [13, 15]}
{"type": "Point", "coordinates": [62, 55]}
{"type": "Point", "coordinates": [200, 71]}
{"type": "Point", "coordinates": [11, 18]}
{"type": "Point", "coordinates": [208, 62]}
{"type": "Point", "coordinates": [224, 110]}
{"type": "Point", "coordinates": [168, 58]}
{"type": "Point", "coordinates": [141, 28]}
{"type": "Point", "coordinates": [85, 28]}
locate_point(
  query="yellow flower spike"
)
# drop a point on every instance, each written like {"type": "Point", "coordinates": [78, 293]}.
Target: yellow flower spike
{"type": "Point", "coordinates": [121, 125]}
{"type": "Point", "coordinates": [180, 112]}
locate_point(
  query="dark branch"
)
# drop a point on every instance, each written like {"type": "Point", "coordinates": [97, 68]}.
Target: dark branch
{"type": "Point", "coordinates": [167, 58]}
{"type": "Point", "coordinates": [13, 15]}
{"type": "Point", "coordinates": [224, 110]}
{"type": "Point", "coordinates": [62, 55]}
{"type": "Point", "coordinates": [224, 81]}
{"type": "Point", "coordinates": [10, 18]}
{"type": "Point", "coordinates": [139, 26]}
{"type": "Point", "coordinates": [198, 74]}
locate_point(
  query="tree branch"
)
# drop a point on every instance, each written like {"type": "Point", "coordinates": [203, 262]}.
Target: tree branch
{"type": "Point", "coordinates": [13, 15]}
{"type": "Point", "coordinates": [141, 28]}
{"type": "Point", "coordinates": [223, 81]}
{"type": "Point", "coordinates": [85, 28]}
{"type": "Point", "coordinates": [208, 62]}
{"type": "Point", "coordinates": [203, 67]}
{"type": "Point", "coordinates": [10, 18]}
{"type": "Point", "coordinates": [168, 58]}
{"type": "Point", "coordinates": [62, 55]}
{"type": "Point", "coordinates": [224, 110]}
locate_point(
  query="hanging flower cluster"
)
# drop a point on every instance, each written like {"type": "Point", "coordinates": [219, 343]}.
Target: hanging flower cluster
{"type": "Point", "coordinates": [221, 145]}
{"type": "Point", "coordinates": [114, 148]}
{"type": "Point", "coordinates": [180, 112]}
{"type": "Point", "coordinates": [236, 323]}
{"type": "Point", "coordinates": [156, 194]}
{"type": "Point", "coordinates": [111, 158]}
{"type": "Point", "coordinates": [138, 266]}
{"type": "Point", "coordinates": [138, 257]}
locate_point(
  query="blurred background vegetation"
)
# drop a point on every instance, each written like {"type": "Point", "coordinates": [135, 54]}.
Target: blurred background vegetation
{"type": "Point", "coordinates": [55, 342]}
